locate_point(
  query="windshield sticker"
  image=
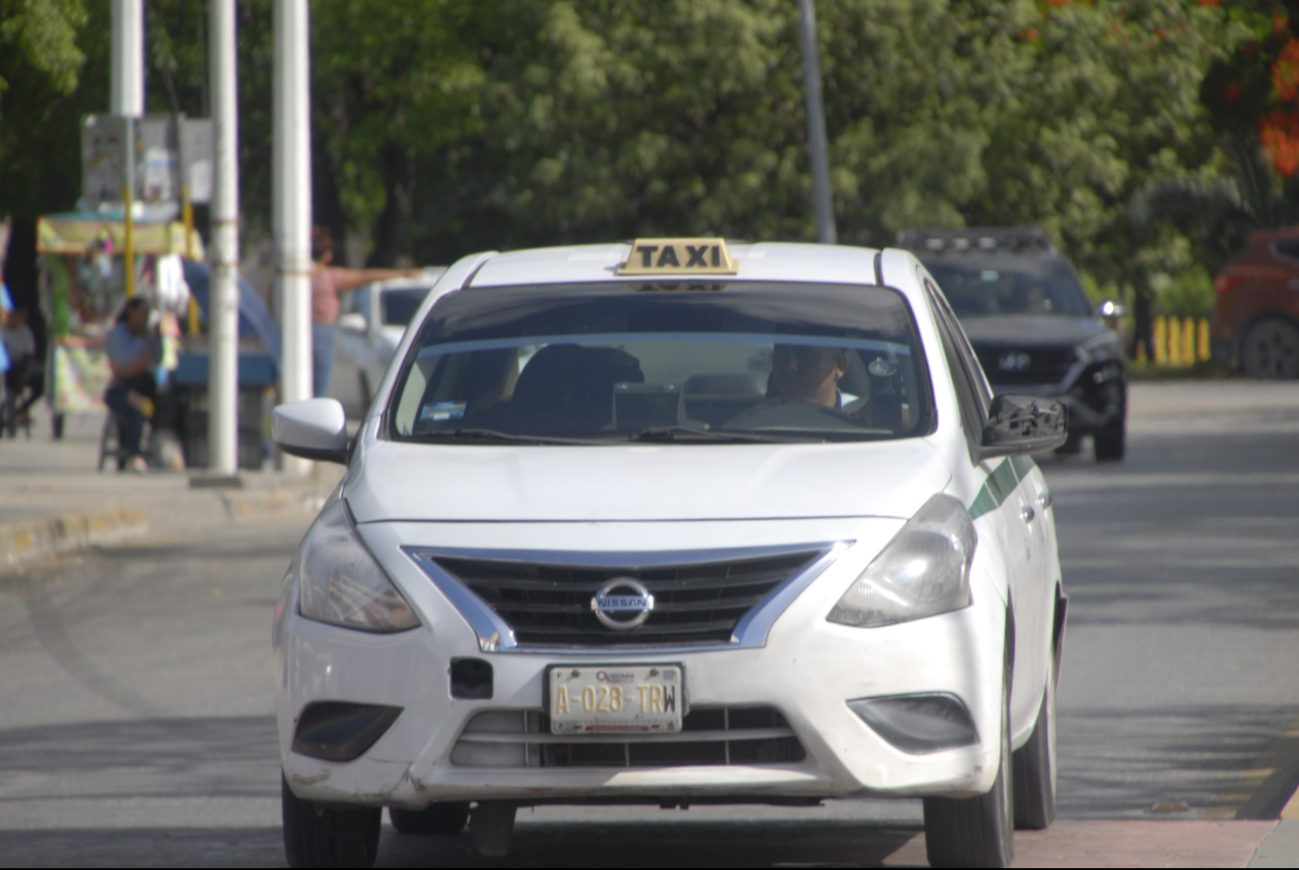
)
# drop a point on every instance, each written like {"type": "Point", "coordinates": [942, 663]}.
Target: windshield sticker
{"type": "Point", "coordinates": [443, 411]}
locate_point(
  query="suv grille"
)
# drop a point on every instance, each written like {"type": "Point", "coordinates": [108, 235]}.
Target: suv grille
{"type": "Point", "coordinates": [1026, 365]}
{"type": "Point", "coordinates": [710, 735]}
{"type": "Point", "coordinates": [550, 605]}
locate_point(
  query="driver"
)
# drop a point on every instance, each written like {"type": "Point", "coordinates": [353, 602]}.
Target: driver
{"type": "Point", "coordinates": [800, 375]}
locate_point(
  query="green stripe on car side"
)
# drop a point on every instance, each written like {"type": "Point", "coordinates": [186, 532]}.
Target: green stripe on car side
{"type": "Point", "coordinates": [982, 504]}
{"type": "Point", "coordinates": [1023, 465]}
{"type": "Point", "coordinates": [1001, 482]}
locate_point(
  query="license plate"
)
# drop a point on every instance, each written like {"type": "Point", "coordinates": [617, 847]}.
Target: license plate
{"type": "Point", "coordinates": [609, 699]}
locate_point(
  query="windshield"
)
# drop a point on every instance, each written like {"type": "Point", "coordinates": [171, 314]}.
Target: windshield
{"type": "Point", "coordinates": [399, 306]}
{"type": "Point", "coordinates": [617, 362]}
{"type": "Point", "coordinates": [992, 288]}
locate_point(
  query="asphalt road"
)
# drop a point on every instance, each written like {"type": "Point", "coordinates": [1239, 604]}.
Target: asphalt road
{"type": "Point", "coordinates": [136, 724]}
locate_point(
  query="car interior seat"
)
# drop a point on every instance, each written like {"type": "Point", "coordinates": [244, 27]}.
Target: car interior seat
{"type": "Point", "coordinates": [569, 388]}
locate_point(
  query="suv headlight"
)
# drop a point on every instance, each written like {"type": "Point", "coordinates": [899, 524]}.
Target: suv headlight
{"type": "Point", "coordinates": [339, 582]}
{"type": "Point", "coordinates": [924, 570]}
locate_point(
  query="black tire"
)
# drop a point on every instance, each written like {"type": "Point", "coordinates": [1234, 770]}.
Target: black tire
{"type": "Point", "coordinates": [977, 831]}
{"type": "Point", "coordinates": [317, 836]}
{"type": "Point", "coordinates": [1270, 350]}
{"type": "Point", "coordinates": [439, 818]}
{"type": "Point", "coordinates": [1111, 442]}
{"type": "Point", "coordinates": [1035, 765]}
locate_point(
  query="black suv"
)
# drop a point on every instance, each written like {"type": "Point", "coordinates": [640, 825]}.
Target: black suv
{"type": "Point", "coordinates": [1031, 324]}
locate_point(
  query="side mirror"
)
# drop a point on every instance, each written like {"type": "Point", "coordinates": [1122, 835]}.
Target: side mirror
{"type": "Point", "coordinates": [1023, 424]}
{"type": "Point", "coordinates": [1112, 309]}
{"type": "Point", "coordinates": [313, 429]}
{"type": "Point", "coordinates": [353, 322]}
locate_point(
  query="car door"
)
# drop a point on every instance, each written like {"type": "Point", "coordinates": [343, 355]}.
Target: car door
{"type": "Point", "coordinates": [1003, 511]}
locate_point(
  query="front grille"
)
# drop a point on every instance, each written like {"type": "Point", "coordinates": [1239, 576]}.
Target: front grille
{"type": "Point", "coordinates": [1045, 365]}
{"type": "Point", "coordinates": [550, 605]}
{"type": "Point", "coordinates": [708, 736]}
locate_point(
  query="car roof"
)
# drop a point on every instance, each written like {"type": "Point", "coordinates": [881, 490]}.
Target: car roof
{"type": "Point", "coordinates": [764, 261]}
{"type": "Point", "coordinates": [1035, 262]}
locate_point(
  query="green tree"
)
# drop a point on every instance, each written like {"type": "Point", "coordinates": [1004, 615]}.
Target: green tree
{"type": "Point", "coordinates": [41, 67]}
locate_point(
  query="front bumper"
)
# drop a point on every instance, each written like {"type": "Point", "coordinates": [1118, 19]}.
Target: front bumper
{"type": "Point", "coordinates": [807, 670]}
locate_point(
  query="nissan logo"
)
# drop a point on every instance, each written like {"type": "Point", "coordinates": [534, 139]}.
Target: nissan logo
{"type": "Point", "coordinates": [1016, 361]}
{"type": "Point", "coordinates": [622, 596]}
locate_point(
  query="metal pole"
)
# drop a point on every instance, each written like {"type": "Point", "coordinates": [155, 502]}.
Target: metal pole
{"type": "Point", "coordinates": [816, 139]}
{"type": "Point", "coordinates": [127, 98]}
{"type": "Point", "coordinates": [127, 82]}
{"type": "Point", "coordinates": [291, 197]}
{"type": "Point", "coordinates": [223, 311]}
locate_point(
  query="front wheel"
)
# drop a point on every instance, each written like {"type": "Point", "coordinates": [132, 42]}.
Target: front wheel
{"type": "Point", "coordinates": [977, 831]}
{"type": "Point", "coordinates": [1111, 442]}
{"type": "Point", "coordinates": [317, 836]}
{"type": "Point", "coordinates": [1270, 350]}
{"type": "Point", "coordinates": [1035, 765]}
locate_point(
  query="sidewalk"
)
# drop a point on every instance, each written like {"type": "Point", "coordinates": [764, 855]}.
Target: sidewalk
{"type": "Point", "coordinates": [53, 501]}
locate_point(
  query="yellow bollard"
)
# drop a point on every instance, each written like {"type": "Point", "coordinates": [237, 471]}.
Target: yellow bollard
{"type": "Point", "coordinates": [1161, 342]}
{"type": "Point", "coordinates": [1205, 350]}
{"type": "Point", "coordinates": [1174, 342]}
{"type": "Point", "coordinates": [1188, 342]}
{"type": "Point", "coordinates": [1141, 354]}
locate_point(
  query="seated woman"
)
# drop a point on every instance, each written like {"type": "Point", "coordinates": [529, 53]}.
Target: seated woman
{"type": "Point", "coordinates": [133, 351]}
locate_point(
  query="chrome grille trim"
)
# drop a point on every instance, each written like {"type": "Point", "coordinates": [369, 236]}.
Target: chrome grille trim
{"type": "Point", "coordinates": [1049, 366]}
{"type": "Point", "coordinates": [750, 632]}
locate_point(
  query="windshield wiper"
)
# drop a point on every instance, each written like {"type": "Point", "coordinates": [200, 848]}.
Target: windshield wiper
{"type": "Point", "coordinates": [487, 435]}
{"type": "Point", "coordinates": [686, 433]}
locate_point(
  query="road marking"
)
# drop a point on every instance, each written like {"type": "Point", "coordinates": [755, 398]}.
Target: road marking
{"type": "Point", "coordinates": [1290, 811]}
{"type": "Point", "coordinates": [1267, 790]}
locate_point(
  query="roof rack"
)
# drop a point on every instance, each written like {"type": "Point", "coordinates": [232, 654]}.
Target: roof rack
{"type": "Point", "coordinates": [975, 240]}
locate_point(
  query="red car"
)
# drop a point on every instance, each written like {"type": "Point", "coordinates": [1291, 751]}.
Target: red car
{"type": "Point", "coordinates": [1256, 318]}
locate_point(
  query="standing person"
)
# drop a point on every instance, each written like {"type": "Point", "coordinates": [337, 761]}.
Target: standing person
{"type": "Point", "coordinates": [24, 384]}
{"type": "Point", "coordinates": [133, 351]}
{"type": "Point", "coordinates": [6, 305]}
{"type": "Point", "coordinates": [327, 284]}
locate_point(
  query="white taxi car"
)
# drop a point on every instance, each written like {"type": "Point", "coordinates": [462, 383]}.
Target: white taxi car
{"type": "Point", "coordinates": [672, 522]}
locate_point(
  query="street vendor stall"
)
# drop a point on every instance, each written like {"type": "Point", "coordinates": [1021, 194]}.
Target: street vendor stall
{"type": "Point", "coordinates": [83, 287]}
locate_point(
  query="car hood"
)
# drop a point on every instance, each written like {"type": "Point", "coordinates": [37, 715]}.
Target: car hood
{"type": "Point", "coordinates": [393, 481]}
{"type": "Point", "coordinates": [1031, 330]}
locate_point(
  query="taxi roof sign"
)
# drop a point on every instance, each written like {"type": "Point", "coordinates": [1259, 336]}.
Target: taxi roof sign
{"type": "Point", "coordinates": [679, 257]}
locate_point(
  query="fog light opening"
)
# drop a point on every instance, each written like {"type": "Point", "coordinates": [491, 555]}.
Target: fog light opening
{"type": "Point", "coordinates": [471, 679]}
{"type": "Point", "coordinates": [919, 724]}
{"type": "Point", "coordinates": [341, 730]}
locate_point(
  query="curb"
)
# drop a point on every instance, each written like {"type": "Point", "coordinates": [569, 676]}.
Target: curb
{"type": "Point", "coordinates": [38, 539]}
{"type": "Point", "coordinates": [29, 541]}
{"type": "Point", "coordinates": [244, 505]}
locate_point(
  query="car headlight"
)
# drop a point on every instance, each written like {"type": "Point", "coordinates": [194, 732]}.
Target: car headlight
{"type": "Point", "coordinates": [339, 582]}
{"type": "Point", "coordinates": [924, 570]}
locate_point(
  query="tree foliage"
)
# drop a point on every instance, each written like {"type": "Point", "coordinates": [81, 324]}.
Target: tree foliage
{"type": "Point", "coordinates": [444, 126]}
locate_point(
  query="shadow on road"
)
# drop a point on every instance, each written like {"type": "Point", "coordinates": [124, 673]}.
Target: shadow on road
{"type": "Point", "coordinates": [577, 844]}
